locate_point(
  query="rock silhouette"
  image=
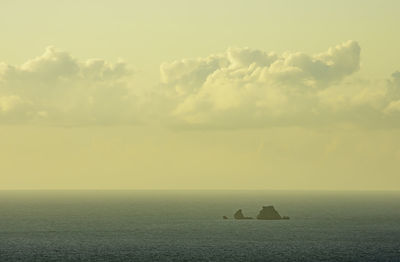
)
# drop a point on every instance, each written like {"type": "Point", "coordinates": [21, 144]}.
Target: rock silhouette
{"type": "Point", "coordinates": [239, 215]}
{"type": "Point", "coordinates": [266, 213]}
{"type": "Point", "coordinates": [269, 213]}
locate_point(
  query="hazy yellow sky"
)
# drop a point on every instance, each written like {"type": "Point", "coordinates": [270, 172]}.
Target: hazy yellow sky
{"type": "Point", "coordinates": [200, 94]}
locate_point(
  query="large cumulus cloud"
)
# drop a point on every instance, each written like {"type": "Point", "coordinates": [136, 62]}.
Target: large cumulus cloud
{"type": "Point", "coordinates": [56, 88]}
{"type": "Point", "coordinates": [245, 87]}
{"type": "Point", "coordinates": [238, 88]}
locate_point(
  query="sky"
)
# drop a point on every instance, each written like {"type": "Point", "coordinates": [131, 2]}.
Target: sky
{"type": "Point", "coordinates": [281, 95]}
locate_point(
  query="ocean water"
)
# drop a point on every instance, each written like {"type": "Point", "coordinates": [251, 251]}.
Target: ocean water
{"type": "Point", "coordinates": [188, 226]}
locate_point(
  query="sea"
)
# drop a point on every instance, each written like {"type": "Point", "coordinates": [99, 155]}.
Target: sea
{"type": "Point", "coordinates": [188, 226]}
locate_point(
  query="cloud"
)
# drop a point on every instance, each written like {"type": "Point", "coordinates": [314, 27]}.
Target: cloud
{"type": "Point", "coordinates": [393, 94]}
{"type": "Point", "coordinates": [246, 88]}
{"type": "Point", "coordinates": [239, 88]}
{"type": "Point", "coordinates": [56, 88]}
{"type": "Point", "coordinates": [393, 106]}
{"type": "Point", "coordinates": [8, 103]}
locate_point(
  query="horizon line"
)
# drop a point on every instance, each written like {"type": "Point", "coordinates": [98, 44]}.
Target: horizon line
{"type": "Point", "coordinates": [198, 189]}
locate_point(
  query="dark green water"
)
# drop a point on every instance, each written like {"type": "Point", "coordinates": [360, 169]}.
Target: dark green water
{"type": "Point", "coordinates": [188, 226]}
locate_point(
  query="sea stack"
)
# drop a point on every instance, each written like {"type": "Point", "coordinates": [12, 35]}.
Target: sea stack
{"type": "Point", "coordinates": [269, 213]}
{"type": "Point", "coordinates": [239, 215]}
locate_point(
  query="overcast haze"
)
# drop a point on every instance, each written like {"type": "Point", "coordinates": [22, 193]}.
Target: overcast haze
{"type": "Point", "coordinates": [200, 95]}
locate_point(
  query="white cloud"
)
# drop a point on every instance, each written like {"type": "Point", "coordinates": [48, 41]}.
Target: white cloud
{"type": "Point", "coordinates": [8, 103]}
{"type": "Point", "coordinates": [59, 89]}
{"type": "Point", "coordinates": [238, 88]}
{"type": "Point", "coordinates": [393, 95]}
{"type": "Point", "coordinates": [393, 107]}
{"type": "Point", "coordinates": [244, 87]}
